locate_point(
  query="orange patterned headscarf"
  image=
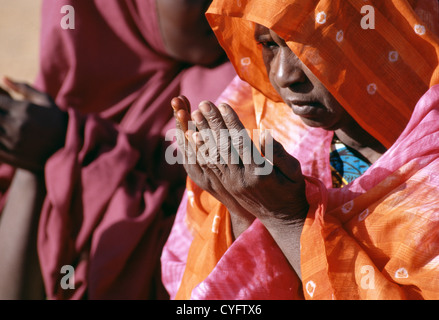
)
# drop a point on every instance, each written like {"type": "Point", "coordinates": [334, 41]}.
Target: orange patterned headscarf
{"type": "Point", "coordinates": [376, 57]}
{"type": "Point", "coordinates": [377, 74]}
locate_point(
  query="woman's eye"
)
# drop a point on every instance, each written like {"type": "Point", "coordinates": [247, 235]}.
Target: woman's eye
{"type": "Point", "coordinates": [268, 44]}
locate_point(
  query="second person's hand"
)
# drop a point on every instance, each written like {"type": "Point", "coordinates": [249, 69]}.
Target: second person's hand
{"type": "Point", "coordinates": [31, 129]}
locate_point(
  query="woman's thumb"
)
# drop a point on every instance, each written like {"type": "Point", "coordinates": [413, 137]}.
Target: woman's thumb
{"type": "Point", "coordinates": [27, 92]}
{"type": "Point", "coordinates": [275, 153]}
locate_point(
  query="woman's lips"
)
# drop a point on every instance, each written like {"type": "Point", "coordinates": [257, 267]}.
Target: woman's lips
{"type": "Point", "coordinates": [306, 109]}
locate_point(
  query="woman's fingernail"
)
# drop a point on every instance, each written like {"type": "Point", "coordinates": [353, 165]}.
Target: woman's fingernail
{"type": "Point", "coordinates": [205, 106]}
{"type": "Point", "coordinates": [197, 117]}
{"type": "Point", "coordinates": [180, 115]}
{"type": "Point", "coordinates": [174, 103]}
{"type": "Point", "coordinates": [222, 108]}
{"type": "Point", "coordinates": [9, 82]}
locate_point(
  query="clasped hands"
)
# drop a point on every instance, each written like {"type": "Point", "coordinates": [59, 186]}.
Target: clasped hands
{"type": "Point", "coordinates": [228, 167]}
{"type": "Point", "coordinates": [31, 129]}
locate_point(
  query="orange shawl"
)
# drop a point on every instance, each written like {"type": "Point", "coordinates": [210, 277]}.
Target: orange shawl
{"type": "Point", "coordinates": [378, 75]}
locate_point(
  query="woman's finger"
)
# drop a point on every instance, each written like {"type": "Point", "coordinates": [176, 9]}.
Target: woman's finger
{"type": "Point", "coordinates": [181, 106]}
{"type": "Point", "coordinates": [211, 140]}
{"type": "Point", "coordinates": [280, 158]}
{"type": "Point", "coordinates": [186, 103]}
{"type": "Point", "coordinates": [240, 139]}
{"type": "Point", "coordinates": [191, 165]}
{"type": "Point", "coordinates": [212, 169]}
{"type": "Point", "coordinates": [4, 92]}
{"type": "Point", "coordinates": [181, 103]}
{"type": "Point", "coordinates": [182, 142]}
{"type": "Point", "coordinates": [227, 156]}
{"type": "Point", "coordinates": [28, 92]}
{"type": "Point", "coordinates": [6, 103]}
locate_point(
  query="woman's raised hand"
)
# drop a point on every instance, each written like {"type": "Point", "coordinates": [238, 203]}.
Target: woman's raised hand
{"type": "Point", "coordinates": [223, 160]}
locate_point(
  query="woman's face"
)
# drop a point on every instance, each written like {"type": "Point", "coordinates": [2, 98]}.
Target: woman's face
{"type": "Point", "coordinates": [297, 85]}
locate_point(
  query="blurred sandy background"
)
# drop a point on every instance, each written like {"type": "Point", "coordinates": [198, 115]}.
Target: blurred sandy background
{"type": "Point", "coordinates": [19, 38]}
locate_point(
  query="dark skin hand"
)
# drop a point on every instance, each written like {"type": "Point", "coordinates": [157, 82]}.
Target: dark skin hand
{"type": "Point", "coordinates": [31, 129]}
{"type": "Point", "coordinates": [212, 184]}
{"type": "Point", "coordinates": [276, 198]}
{"type": "Point", "coordinates": [186, 32]}
{"type": "Point", "coordinates": [34, 128]}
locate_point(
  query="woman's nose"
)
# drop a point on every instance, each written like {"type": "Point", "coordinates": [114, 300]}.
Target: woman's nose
{"type": "Point", "coordinates": [288, 71]}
